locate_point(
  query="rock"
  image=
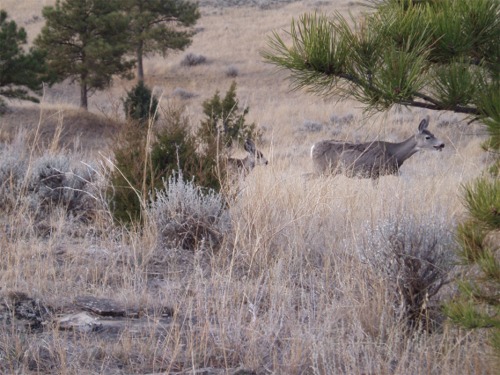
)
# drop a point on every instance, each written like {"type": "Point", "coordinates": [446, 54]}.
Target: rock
{"type": "Point", "coordinates": [80, 322]}
{"type": "Point", "coordinates": [105, 307]}
{"type": "Point", "coordinates": [243, 371]}
{"type": "Point", "coordinates": [109, 308]}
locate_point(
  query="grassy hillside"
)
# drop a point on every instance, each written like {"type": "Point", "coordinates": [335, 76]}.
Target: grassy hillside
{"type": "Point", "coordinates": [306, 277]}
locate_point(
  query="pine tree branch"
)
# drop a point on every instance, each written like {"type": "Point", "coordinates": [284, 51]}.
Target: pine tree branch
{"type": "Point", "coordinates": [437, 107]}
{"type": "Point", "coordinates": [430, 103]}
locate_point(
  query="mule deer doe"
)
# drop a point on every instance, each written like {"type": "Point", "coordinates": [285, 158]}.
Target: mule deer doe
{"type": "Point", "coordinates": [245, 165]}
{"type": "Point", "coordinates": [371, 159]}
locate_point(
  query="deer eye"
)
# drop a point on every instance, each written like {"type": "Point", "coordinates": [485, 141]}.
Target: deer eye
{"type": "Point", "coordinates": [427, 137]}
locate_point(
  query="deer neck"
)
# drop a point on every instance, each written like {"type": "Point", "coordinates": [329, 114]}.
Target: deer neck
{"type": "Point", "coordinates": [403, 150]}
{"type": "Point", "coordinates": [249, 162]}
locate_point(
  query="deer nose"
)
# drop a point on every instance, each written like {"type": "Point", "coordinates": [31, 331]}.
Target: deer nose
{"type": "Point", "coordinates": [439, 147]}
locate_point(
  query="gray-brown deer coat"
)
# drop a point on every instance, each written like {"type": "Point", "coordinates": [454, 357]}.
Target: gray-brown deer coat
{"type": "Point", "coordinates": [245, 165]}
{"type": "Point", "coordinates": [371, 159]}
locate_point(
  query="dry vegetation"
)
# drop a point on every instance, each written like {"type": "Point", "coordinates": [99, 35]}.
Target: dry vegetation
{"type": "Point", "coordinates": [300, 276]}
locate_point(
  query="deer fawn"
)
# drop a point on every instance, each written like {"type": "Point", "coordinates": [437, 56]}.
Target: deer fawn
{"type": "Point", "coordinates": [245, 165]}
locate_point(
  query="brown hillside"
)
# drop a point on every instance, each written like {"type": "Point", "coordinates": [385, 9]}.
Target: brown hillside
{"type": "Point", "coordinates": [67, 128]}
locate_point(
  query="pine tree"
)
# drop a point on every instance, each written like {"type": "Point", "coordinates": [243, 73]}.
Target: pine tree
{"type": "Point", "coordinates": [19, 71]}
{"type": "Point", "coordinates": [439, 55]}
{"type": "Point", "coordinates": [86, 42]}
{"type": "Point", "coordinates": [160, 25]}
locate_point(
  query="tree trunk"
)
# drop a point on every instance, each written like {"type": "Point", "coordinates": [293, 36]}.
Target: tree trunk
{"type": "Point", "coordinates": [140, 68]}
{"type": "Point", "coordinates": [83, 96]}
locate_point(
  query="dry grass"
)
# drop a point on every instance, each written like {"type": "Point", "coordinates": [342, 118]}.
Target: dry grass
{"type": "Point", "coordinates": [288, 290]}
{"type": "Point", "coordinates": [59, 127]}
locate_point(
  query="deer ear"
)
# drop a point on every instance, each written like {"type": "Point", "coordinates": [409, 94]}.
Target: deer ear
{"type": "Point", "coordinates": [423, 124]}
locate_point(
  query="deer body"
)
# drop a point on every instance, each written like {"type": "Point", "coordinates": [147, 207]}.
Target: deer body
{"type": "Point", "coordinates": [371, 159]}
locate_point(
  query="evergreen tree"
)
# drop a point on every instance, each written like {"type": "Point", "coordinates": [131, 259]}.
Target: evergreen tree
{"type": "Point", "coordinates": [478, 237]}
{"type": "Point", "coordinates": [158, 26]}
{"type": "Point", "coordinates": [439, 55]}
{"type": "Point", "coordinates": [140, 104]}
{"type": "Point", "coordinates": [141, 167]}
{"type": "Point", "coordinates": [478, 302]}
{"type": "Point", "coordinates": [224, 124]}
{"type": "Point", "coordinates": [224, 120]}
{"type": "Point", "coordinates": [86, 41]}
{"type": "Point", "coordinates": [19, 71]}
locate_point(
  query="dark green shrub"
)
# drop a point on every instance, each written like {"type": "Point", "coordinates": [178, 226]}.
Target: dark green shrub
{"type": "Point", "coordinates": [139, 173]}
{"type": "Point", "coordinates": [224, 119]}
{"type": "Point", "coordinates": [482, 200]}
{"type": "Point", "coordinates": [479, 304]}
{"type": "Point", "coordinates": [127, 177]}
{"type": "Point", "coordinates": [490, 107]}
{"type": "Point", "coordinates": [224, 124]}
{"type": "Point", "coordinates": [200, 157]}
{"type": "Point", "coordinates": [174, 148]}
{"type": "Point", "coordinates": [140, 104]}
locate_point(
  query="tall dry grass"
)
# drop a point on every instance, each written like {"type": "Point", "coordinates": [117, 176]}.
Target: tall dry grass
{"type": "Point", "coordinates": [294, 286]}
{"type": "Point", "coordinates": [291, 288]}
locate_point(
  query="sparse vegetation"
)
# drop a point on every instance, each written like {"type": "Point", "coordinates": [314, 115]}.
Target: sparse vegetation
{"type": "Point", "coordinates": [291, 276]}
{"type": "Point", "coordinates": [183, 94]}
{"type": "Point", "coordinates": [192, 59]}
{"type": "Point", "coordinates": [311, 126]}
{"type": "Point", "coordinates": [232, 71]}
{"type": "Point", "coordinates": [41, 184]}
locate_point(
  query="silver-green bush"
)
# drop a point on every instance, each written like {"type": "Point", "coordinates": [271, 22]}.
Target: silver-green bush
{"type": "Point", "coordinates": [415, 255]}
{"type": "Point", "coordinates": [41, 183]}
{"type": "Point", "coordinates": [189, 217]}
